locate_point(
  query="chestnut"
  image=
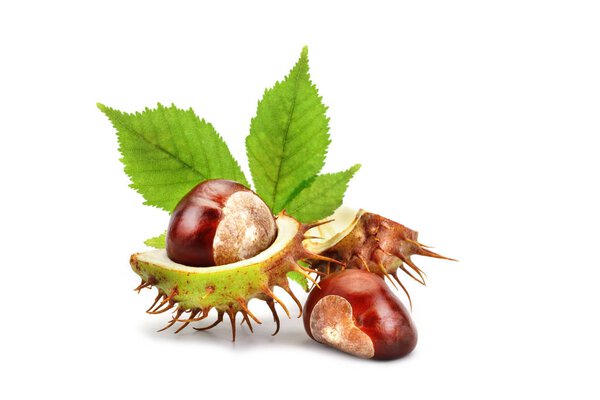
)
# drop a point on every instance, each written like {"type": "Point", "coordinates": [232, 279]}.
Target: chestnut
{"type": "Point", "coordinates": [219, 222]}
{"type": "Point", "coordinates": [356, 312]}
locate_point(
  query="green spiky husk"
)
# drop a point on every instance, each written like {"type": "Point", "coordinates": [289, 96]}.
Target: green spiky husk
{"type": "Point", "coordinates": [226, 288]}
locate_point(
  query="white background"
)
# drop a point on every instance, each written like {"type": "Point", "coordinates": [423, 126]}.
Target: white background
{"type": "Point", "coordinates": [475, 123]}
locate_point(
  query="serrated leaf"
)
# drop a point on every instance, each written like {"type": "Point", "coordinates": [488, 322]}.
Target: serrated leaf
{"type": "Point", "coordinates": [158, 242]}
{"type": "Point", "coordinates": [167, 151]}
{"type": "Point", "coordinates": [288, 137]}
{"type": "Point", "coordinates": [299, 279]}
{"type": "Point", "coordinates": [322, 197]}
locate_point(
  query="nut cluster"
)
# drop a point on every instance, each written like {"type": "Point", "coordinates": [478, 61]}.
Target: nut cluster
{"type": "Point", "coordinates": [222, 223]}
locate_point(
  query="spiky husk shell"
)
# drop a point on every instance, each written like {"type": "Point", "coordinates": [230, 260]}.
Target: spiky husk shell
{"type": "Point", "coordinates": [226, 288]}
{"type": "Point", "coordinates": [368, 241]}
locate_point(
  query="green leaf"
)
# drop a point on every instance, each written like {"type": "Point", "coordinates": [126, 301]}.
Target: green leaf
{"type": "Point", "coordinates": [299, 279]}
{"type": "Point", "coordinates": [288, 137]}
{"type": "Point", "coordinates": [322, 197]}
{"type": "Point", "coordinates": [167, 151]}
{"type": "Point", "coordinates": [158, 242]}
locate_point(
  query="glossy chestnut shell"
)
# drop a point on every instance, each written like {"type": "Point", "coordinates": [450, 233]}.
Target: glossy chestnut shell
{"type": "Point", "coordinates": [356, 312]}
{"type": "Point", "coordinates": [219, 222]}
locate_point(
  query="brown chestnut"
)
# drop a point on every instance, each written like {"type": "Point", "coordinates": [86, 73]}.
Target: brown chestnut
{"type": "Point", "coordinates": [356, 312]}
{"type": "Point", "coordinates": [219, 222]}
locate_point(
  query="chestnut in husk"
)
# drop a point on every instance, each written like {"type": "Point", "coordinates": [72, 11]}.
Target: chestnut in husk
{"type": "Point", "coordinates": [219, 222]}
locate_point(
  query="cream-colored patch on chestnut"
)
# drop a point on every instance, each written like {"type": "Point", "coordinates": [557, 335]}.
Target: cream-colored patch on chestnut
{"type": "Point", "coordinates": [331, 323]}
{"type": "Point", "coordinates": [246, 228]}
